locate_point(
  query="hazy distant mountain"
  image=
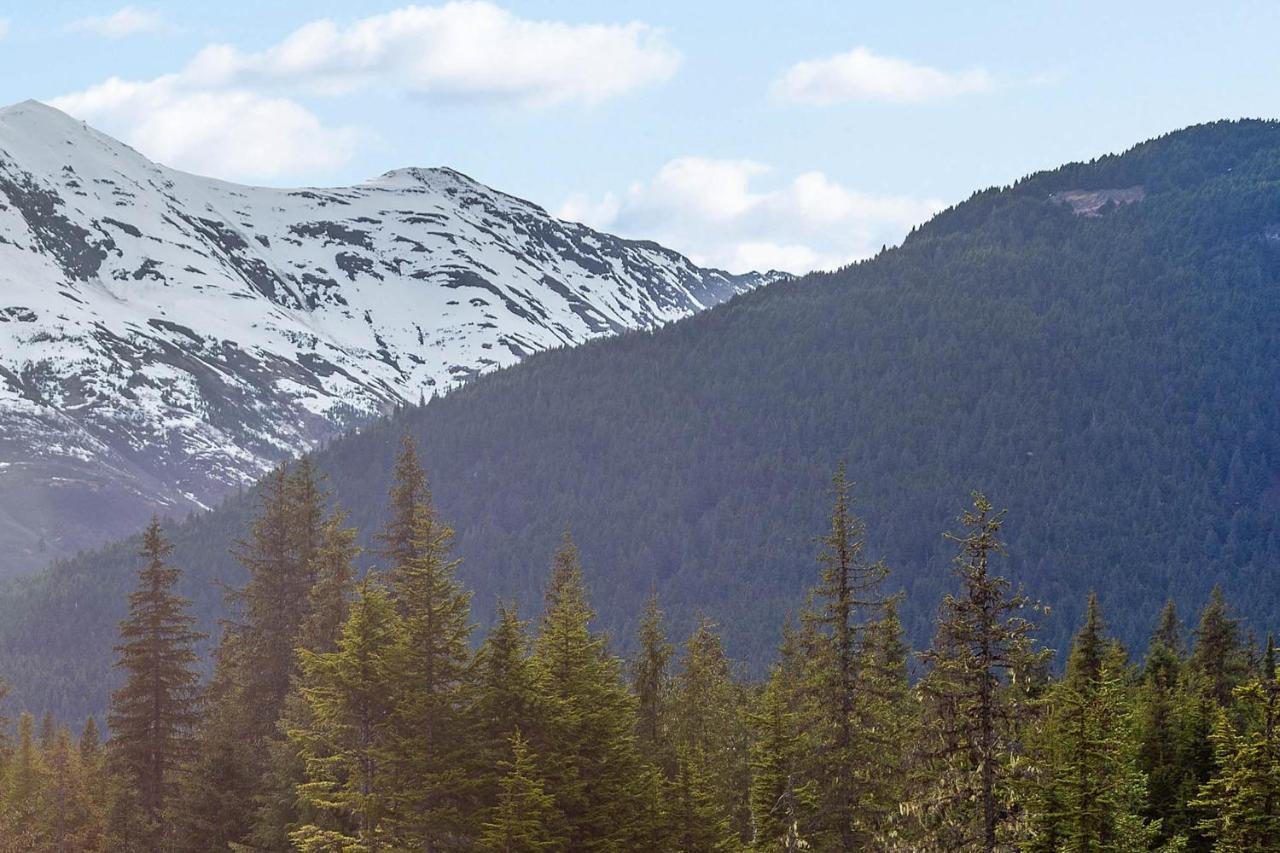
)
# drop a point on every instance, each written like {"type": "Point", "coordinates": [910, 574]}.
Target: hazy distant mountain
{"type": "Point", "coordinates": [165, 337]}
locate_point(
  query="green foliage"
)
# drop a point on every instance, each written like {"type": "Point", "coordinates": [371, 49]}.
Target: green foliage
{"type": "Point", "coordinates": [1112, 377]}
{"type": "Point", "coordinates": [154, 715]}
{"type": "Point", "coordinates": [348, 742]}
{"type": "Point", "coordinates": [981, 664]}
{"type": "Point", "coordinates": [522, 819]}
{"type": "Point", "coordinates": [588, 743]}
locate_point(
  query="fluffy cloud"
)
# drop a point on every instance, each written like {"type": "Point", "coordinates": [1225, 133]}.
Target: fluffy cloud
{"type": "Point", "coordinates": [714, 211]}
{"type": "Point", "coordinates": [126, 21]}
{"type": "Point", "coordinates": [863, 75]}
{"type": "Point", "coordinates": [4, 27]}
{"type": "Point", "coordinates": [459, 50]}
{"type": "Point", "coordinates": [234, 114]}
{"type": "Point", "coordinates": [232, 134]}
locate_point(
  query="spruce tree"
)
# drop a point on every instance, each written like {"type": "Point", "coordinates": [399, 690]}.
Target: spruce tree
{"type": "Point", "coordinates": [781, 802]}
{"type": "Point", "coordinates": [521, 820]}
{"type": "Point", "coordinates": [154, 715]}
{"type": "Point", "coordinates": [279, 810]}
{"type": "Point", "coordinates": [887, 716]}
{"type": "Point", "coordinates": [588, 744]}
{"type": "Point", "coordinates": [1090, 792]}
{"type": "Point", "coordinates": [651, 680]}
{"type": "Point", "coordinates": [981, 656]}
{"type": "Point", "coordinates": [20, 806]}
{"type": "Point", "coordinates": [1240, 802]}
{"type": "Point", "coordinates": [431, 728]}
{"type": "Point", "coordinates": [847, 597]}
{"type": "Point", "coordinates": [255, 665]}
{"type": "Point", "coordinates": [710, 728]}
{"type": "Point", "coordinates": [1163, 751]}
{"type": "Point", "coordinates": [347, 740]}
{"type": "Point", "coordinates": [1218, 654]}
{"type": "Point", "coordinates": [696, 821]}
{"type": "Point", "coordinates": [501, 699]}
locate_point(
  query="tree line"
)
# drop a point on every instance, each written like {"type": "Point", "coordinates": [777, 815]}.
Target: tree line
{"type": "Point", "coordinates": [352, 712]}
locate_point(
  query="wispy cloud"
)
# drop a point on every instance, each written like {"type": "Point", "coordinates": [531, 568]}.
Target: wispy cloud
{"type": "Point", "coordinates": [126, 21]}
{"type": "Point", "coordinates": [717, 212]}
{"type": "Point", "coordinates": [863, 75]}
{"type": "Point", "coordinates": [236, 114]}
{"type": "Point", "coordinates": [4, 27]}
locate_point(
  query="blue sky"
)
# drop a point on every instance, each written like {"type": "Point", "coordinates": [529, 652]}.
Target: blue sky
{"type": "Point", "coordinates": [745, 134]}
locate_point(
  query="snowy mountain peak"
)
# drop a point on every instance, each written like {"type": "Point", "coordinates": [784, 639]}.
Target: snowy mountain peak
{"type": "Point", "coordinates": [165, 338]}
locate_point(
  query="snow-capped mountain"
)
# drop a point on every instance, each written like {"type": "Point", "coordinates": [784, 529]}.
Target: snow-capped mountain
{"type": "Point", "coordinates": [165, 338]}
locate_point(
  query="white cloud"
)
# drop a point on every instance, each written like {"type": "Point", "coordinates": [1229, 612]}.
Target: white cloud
{"type": "Point", "coordinates": [714, 211]}
{"type": "Point", "coordinates": [234, 114]}
{"type": "Point", "coordinates": [458, 50]}
{"type": "Point", "coordinates": [863, 75]}
{"type": "Point", "coordinates": [233, 134]}
{"type": "Point", "coordinates": [126, 21]}
{"type": "Point", "coordinates": [4, 27]}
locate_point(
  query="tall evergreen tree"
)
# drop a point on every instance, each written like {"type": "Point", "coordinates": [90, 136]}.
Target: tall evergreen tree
{"type": "Point", "coordinates": [887, 716]}
{"type": "Point", "coordinates": [255, 666]}
{"type": "Point", "coordinates": [1164, 753]}
{"type": "Point", "coordinates": [651, 680]}
{"type": "Point", "coordinates": [431, 729]}
{"type": "Point", "coordinates": [1219, 654]}
{"type": "Point", "coordinates": [781, 802]}
{"type": "Point", "coordinates": [847, 597]}
{"type": "Point", "coordinates": [502, 699]}
{"type": "Point", "coordinates": [21, 807]}
{"type": "Point", "coordinates": [522, 818]}
{"type": "Point", "coordinates": [710, 726]}
{"type": "Point", "coordinates": [1090, 792]}
{"type": "Point", "coordinates": [981, 656]}
{"type": "Point", "coordinates": [280, 811]}
{"type": "Point", "coordinates": [1240, 802]}
{"type": "Point", "coordinates": [154, 715]}
{"type": "Point", "coordinates": [588, 746]}
{"type": "Point", "coordinates": [347, 741]}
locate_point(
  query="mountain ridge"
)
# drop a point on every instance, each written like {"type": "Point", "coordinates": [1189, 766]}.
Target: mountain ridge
{"type": "Point", "coordinates": [1114, 381]}
{"type": "Point", "coordinates": [166, 337]}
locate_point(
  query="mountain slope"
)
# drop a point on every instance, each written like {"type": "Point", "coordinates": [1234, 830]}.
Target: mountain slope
{"type": "Point", "coordinates": [165, 338]}
{"type": "Point", "coordinates": [1110, 372]}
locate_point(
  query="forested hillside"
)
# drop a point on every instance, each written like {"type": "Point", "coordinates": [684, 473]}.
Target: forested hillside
{"type": "Point", "coordinates": [1110, 372]}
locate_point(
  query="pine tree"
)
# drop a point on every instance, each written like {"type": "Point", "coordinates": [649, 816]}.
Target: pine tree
{"type": "Point", "coordinates": [1162, 713]}
{"type": "Point", "coordinates": [431, 730]}
{"type": "Point", "coordinates": [501, 700]}
{"type": "Point", "coordinates": [90, 742]}
{"type": "Point", "coordinates": [709, 725]}
{"type": "Point", "coordinates": [1219, 654]}
{"type": "Point", "coordinates": [696, 822]}
{"type": "Point", "coordinates": [1241, 800]}
{"type": "Point", "coordinates": [279, 811]}
{"type": "Point", "coordinates": [887, 714]}
{"type": "Point", "coordinates": [153, 716]}
{"type": "Point", "coordinates": [20, 818]}
{"type": "Point", "coordinates": [229, 784]}
{"type": "Point", "coordinates": [347, 741]}
{"type": "Point", "coordinates": [972, 708]}
{"type": "Point", "coordinates": [588, 745]}
{"type": "Point", "coordinates": [522, 818]}
{"type": "Point", "coordinates": [781, 806]}
{"type": "Point", "coordinates": [846, 599]}
{"type": "Point", "coordinates": [651, 680]}
{"type": "Point", "coordinates": [1090, 792]}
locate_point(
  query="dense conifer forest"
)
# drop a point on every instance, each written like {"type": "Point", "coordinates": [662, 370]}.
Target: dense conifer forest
{"type": "Point", "coordinates": [358, 711]}
{"type": "Point", "coordinates": [1113, 378]}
